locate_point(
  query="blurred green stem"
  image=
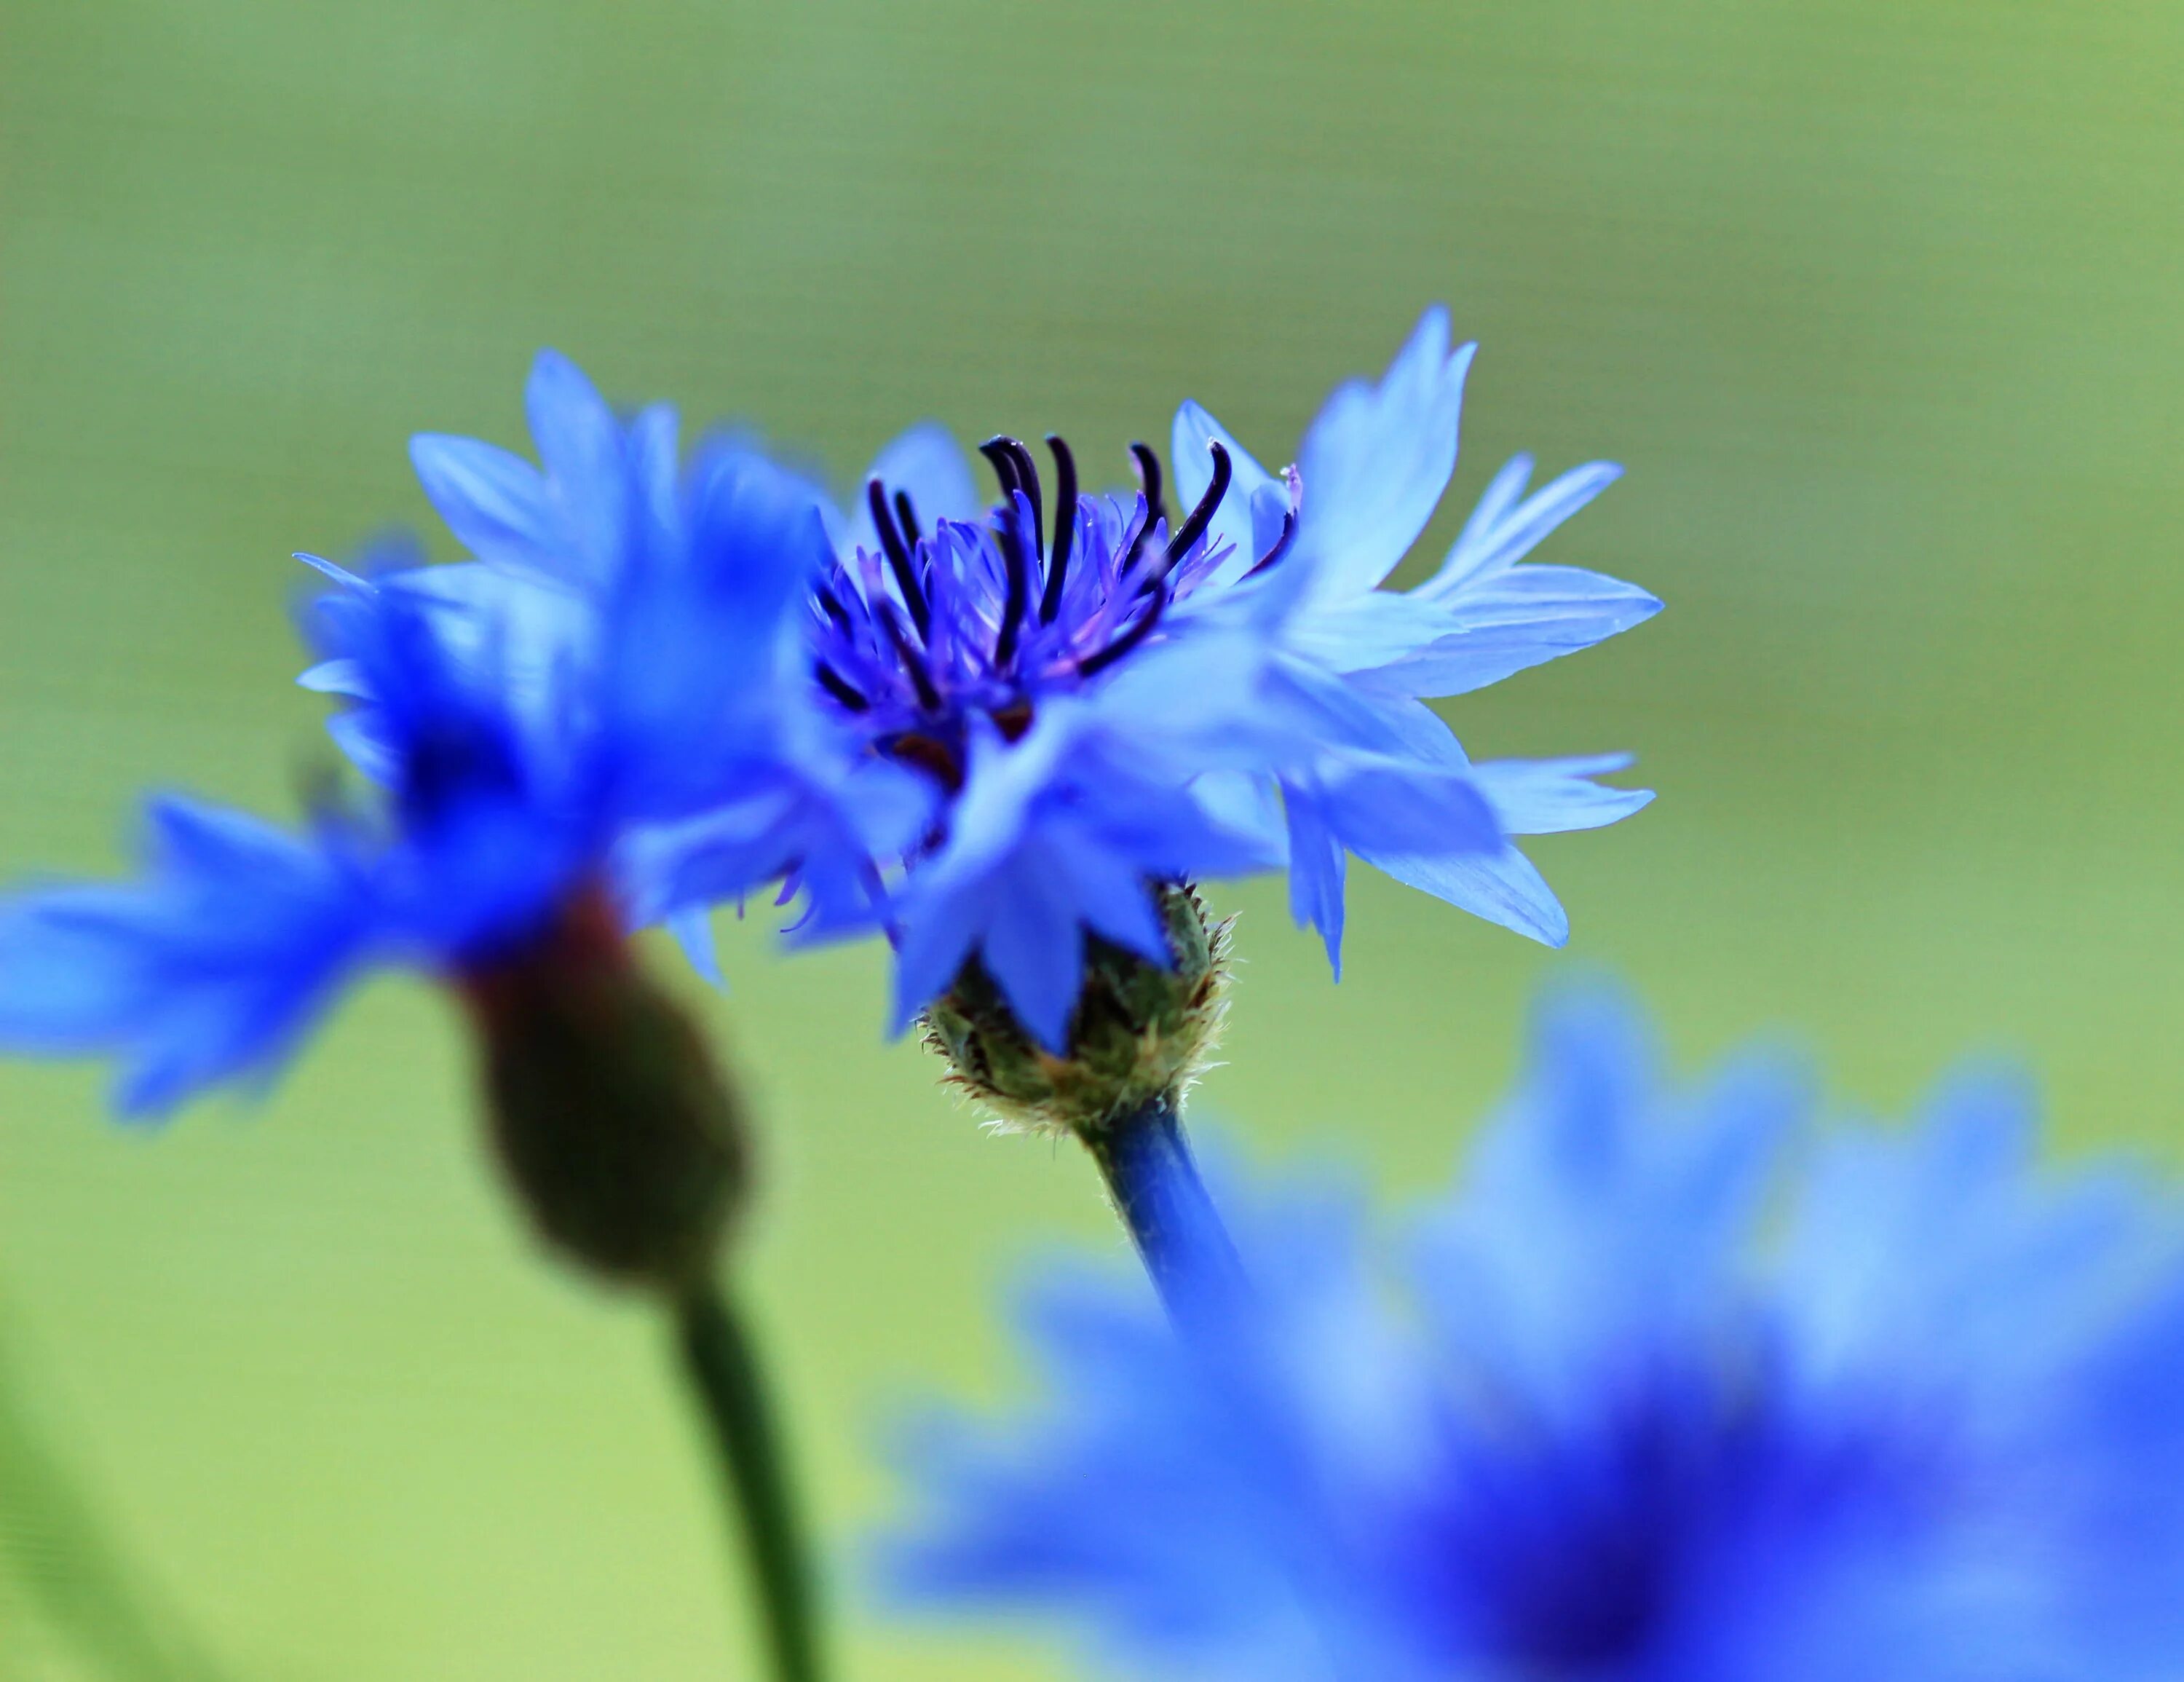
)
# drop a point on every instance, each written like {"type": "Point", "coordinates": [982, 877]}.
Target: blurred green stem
{"type": "Point", "coordinates": [62, 1559]}
{"type": "Point", "coordinates": [1154, 1181]}
{"type": "Point", "coordinates": [724, 1372]}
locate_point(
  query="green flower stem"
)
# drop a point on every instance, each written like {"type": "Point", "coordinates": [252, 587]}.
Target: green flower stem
{"type": "Point", "coordinates": [724, 1373]}
{"type": "Point", "coordinates": [1154, 1182]}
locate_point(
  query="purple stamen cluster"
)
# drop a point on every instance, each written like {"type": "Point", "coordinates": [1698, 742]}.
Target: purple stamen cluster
{"type": "Point", "coordinates": [913, 639]}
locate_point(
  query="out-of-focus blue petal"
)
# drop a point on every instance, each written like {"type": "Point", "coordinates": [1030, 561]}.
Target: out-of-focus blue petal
{"type": "Point", "coordinates": [206, 969]}
{"type": "Point", "coordinates": [693, 929]}
{"type": "Point", "coordinates": [926, 464]}
{"type": "Point", "coordinates": [494, 502]}
{"type": "Point", "coordinates": [1376, 460]}
{"type": "Point", "coordinates": [580, 445]}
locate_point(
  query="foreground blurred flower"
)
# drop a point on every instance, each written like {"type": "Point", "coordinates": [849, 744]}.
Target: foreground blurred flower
{"type": "Point", "coordinates": [1671, 1387]}
{"type": "Point", "coordinates": [539, 734]}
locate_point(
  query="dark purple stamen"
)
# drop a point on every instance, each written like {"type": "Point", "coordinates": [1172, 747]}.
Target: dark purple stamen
{"type": "Point", "coordinates": [1149, 475]}
{"type": "Point", "coordinates": [1019, 591]}
{"type": "Point", "coordinates": [1026, 472]}
{"type": "Point", "coordinates": [1065, 528]}
{"type": "Point", "coordinates": [1202, 515]}
{"type": "Point", "coordinates": [996, 451]}
{"type": "Point", "coordinates": [841, 689]}
{"type": "Point", "coordinates": [833, 605]}
{"type": "Point", "coordinates": [912, 661]}
{"type": "Point", "coordinates": [905, 516]}
{"type": "Point", "coordinates": [1280, 549]}
{"type": "Point", "coordinates": [1092, 665]}
{"type": "Point", "coordinates": [897, 554]}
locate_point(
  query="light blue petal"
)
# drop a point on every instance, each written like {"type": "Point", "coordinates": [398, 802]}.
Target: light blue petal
{"type": "Point", "coordinates": [1375, 462]}
{"type": "Point", "coordinates": [1379, 628]}
{"type": "Point", "coordinates": [1035, 949]}
{"type": "Point", "coordinates": [1233, 522]}
{"type": "Point", "coordinates": [1515, 620]}
{"type": "Point", "coordinates": [1398, 806]}
{"type": "Point", "coordinates": [935, 941]}
{"type": "Point", "coordinates": [1501, 531]}
{"type": "Point", "coordinates": [1547, 797]}
{"type": "Point", "coordinates": [580, 444]}
{"type": "Point", "coordinates": [1110, 895]}
{"type": "Point", "coordinates": [1316, 868]}
{"type": "Point", "coordinates": [334, 677]}
{"type": "Point", "coordinates": [1502, 888]}
{"type": "Point", "coordinates": [494, 502]}
{"type": "Point", "coordinates": [928, 462]}
{"type": "Point", "coordinates": [693, 929]}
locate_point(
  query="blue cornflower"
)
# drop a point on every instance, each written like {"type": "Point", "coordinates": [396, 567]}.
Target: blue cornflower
{"type": "Point", "coordinates": [538, 741]}
{"type": "Point", "coordinates": [1246, 692]}
{"type": "Point", "coordinates": [1672, 1385]}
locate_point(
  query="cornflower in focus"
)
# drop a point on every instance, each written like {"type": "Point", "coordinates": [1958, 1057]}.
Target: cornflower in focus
{"type": "Point", "coordinates": [1112, 702]}
{"type": "Point", "coordinates": [1115, 699]}
{"type": "Point", "coordinates": [1672, 1385]}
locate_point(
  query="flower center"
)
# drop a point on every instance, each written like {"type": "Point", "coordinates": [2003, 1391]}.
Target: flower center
{"type": "Point", "coordinates": [916, 639]}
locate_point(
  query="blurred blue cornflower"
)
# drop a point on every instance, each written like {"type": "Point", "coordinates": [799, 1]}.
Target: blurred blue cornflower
{"type": "Point", "coordinates": [1672, 1386]}
{"type": "Point", "coordinates": [538, 745]}
{"type": "Point", "coordinates": [1106, 696]}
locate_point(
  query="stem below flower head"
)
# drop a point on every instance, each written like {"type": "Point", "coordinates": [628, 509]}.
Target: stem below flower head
{"type": "Point", "coordinates": [1154, 1184]}
{"type": "Point", "coordinates": [724, 1373]}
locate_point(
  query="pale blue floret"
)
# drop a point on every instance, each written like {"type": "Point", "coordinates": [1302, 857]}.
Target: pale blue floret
{"type": "Point", "coordinates": [1672, 1387]}
{"type": "Point", "coordinates": [1370, 472]}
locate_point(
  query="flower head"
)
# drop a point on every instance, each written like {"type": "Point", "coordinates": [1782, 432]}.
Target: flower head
{"type": "Point", "coordinates": [1671, 1386]}
{"type": "Point", "coordinates": [1103, 692]}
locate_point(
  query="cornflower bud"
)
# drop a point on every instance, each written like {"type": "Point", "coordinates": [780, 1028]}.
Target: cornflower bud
{"type": "Point", "coordinates": [606, 1110]}
{"type": "Point", "coordinates": [1139, 1036]}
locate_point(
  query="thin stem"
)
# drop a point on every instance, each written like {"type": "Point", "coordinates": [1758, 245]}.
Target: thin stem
{"type": "Point", "coordinates": [1155, 1185]}
{"type": "Point", "coordinates": [724, 1372]}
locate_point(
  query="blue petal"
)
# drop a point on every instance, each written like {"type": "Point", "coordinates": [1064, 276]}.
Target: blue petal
{"type": "Point", "coordinates": [1317, 865]}
{"type": "Point", "coordinates": [1546, 797]}
{"type": "Point", "coordinates": [693, 929]}
{"type": "Point", "coordinates": [205, 969]}
{"type": "Point", "coordinates": [927, 465]}
{"type": "Point", "coordinates": [1233, 521]}
{"type": "Point", "coordinates": [1501, 531]}
{"type": "Point", "coordinates": [1503, 888]}
{"type": "Point", "coordinates": [580, 444]}
{"type": "Point", "coordinates": [1513, 620]}
{"type": "Point", "coordinates": [494, 502]}
{"type": "Point", "coordinates": [1376, 460]}
{"type": "Point", "coordinates": [1034, 950]}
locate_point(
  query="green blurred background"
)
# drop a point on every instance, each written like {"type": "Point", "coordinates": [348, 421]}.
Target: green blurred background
{"type": "Point", "coordinates": [1879, 303]}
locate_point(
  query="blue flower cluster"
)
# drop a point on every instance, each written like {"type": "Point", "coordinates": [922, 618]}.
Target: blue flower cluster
{"type": "Point", "coordinates": [1672, 1385]}
{"type": "Point", "coordinates": [660, 685]}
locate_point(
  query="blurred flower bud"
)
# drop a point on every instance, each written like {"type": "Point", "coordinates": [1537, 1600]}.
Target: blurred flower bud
{"type": "Point", "coordinates": [608, 1113]}
{"type": "Point", "coordinates": [1140, 1033]}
